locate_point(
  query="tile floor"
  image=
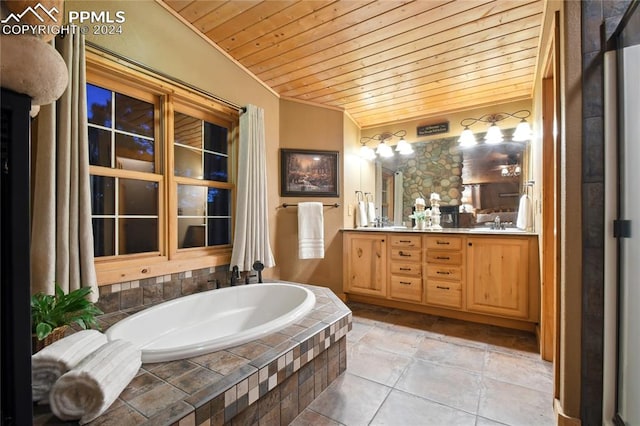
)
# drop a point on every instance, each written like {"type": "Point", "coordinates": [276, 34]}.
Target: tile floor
{"type": "Point", "coordinates": [409, 369]}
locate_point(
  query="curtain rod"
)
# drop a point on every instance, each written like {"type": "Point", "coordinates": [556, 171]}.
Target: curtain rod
{"type": "Point", "coordinates": [285, 205]}
{"type": "Point", "coordinates": [154, 72]}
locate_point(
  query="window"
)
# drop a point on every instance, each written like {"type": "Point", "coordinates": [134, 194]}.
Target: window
{"type": "Point", "coordinates": [124, 205]}
{"type": "Point", "coordinates": [201, 170]}
{"type": "Point", "coordinates": [161, 165]}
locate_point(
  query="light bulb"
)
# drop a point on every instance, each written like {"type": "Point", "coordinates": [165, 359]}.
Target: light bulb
{"type": "Point", "coordinates": [523, 132]}
{"type": "Point", "coordinates": [404, 147]}
{"type": "Point", "coordinates": [384, 150]}
{"type": "Point", "coordinates": [467, 138]}
{"type": "Point", "coordinates": [494, 135]}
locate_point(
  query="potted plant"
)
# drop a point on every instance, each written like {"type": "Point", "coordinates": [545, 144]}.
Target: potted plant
{"type": "Point", "coordinates": [52, 314]}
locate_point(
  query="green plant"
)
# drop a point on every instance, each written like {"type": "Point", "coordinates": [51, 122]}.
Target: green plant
{"type": "Point", "coordinates": [51, 311]}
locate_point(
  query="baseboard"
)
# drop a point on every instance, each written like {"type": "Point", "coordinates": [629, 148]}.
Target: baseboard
{"type": "Point", "coordinates": [561, 418]}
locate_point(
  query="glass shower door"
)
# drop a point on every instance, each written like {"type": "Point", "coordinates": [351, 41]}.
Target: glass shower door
{"type": "Point", "coordinates": [628, 390]}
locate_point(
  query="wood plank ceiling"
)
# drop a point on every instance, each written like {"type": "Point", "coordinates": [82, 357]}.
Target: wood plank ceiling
{"type": "Point", "coordinates": [381, 61]}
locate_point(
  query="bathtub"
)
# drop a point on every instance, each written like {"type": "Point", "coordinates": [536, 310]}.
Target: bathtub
{"type": "Point", "coordinates": [213, 320]}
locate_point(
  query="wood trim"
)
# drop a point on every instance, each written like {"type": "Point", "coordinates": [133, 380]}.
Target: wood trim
{"type": "Point", "coordinates": [125, 78]}
{"type": "Point", "coordinates": [123, 271]}
{"type": "Point", "coordinates": [443, 312]}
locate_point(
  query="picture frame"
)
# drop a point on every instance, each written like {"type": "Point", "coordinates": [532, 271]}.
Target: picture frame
{"type": "Point", "coordinates": [309, 173]}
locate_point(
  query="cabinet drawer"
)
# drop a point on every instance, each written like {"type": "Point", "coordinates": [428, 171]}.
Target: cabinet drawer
{"type": "Point", "coordinates": [406, 288]}
{"type": "Point", "coordinates": [406, 241]}
{"type": "Point", "coordinates": [405, 254]}
{"type": "Point", "coordinates": [444, 243]}
{"type": "Point", "coordinates": [401, 268]}
{"type": "Point", "coordinates": [444, 272]}
{"type": "Point", "coordinates": [445, 257]}
{"type": "Point", "coordinates": [444, 293]}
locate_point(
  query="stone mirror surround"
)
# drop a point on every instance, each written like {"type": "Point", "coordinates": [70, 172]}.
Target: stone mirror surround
{"type": "Point", "coordinates": [443, 167]}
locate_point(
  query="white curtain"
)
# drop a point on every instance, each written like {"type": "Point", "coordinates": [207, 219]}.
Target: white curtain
{"type": "Point", "coordinates": [251, 241]}
{"type": "Point", "coordinates": [61, 231]}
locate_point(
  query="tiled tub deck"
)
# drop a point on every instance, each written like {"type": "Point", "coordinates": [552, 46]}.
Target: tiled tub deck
{"type": "Point", "coordinates": [267, 381]}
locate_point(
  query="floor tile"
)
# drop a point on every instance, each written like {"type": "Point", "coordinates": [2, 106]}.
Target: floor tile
{"type": "Point", "coordinates": [350, 400]}
{"type": "Point", "coordinates": [374, 364]}
{"type": "Point", "coordinates": [311, 418]}
{"type": "Point", "coordinates": [451, 354]}
{"type": "Point", "coordinates": [518, 370]}
{"type": "Point", "coordinates": [409, 410]}
{"type": "Point", "coordinates": [358, 330]}
{"type": "Point", "coordinates": [402, 341]}
{"type": "Point", "coordinates": [454, 387]}
{"type": "Point", "coordinates": [411, 369]}
{"type": "Point", "coordinates": [461, 332]}
{"type": "Point", "coordinates": [515, 405]}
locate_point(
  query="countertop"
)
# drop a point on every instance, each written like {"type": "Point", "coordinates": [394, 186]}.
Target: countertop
{"type": "Point", "coordinates": [465, 231]}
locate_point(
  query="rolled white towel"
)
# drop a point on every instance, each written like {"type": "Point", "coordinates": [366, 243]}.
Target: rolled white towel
{"type": "Point", "coordinates": [59, 357]}
{"type": "Point", "coordinates": [89, 389]}
{"type": "Point", "coordinates": [523, 221]}
{"type": "Point", "coordinates": [371, 213]}
{"type": "Point", "coordinates": [361, 215]}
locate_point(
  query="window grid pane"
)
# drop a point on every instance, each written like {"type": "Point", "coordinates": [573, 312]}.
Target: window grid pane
{"type": "Point", "coordinates": [204, 216]}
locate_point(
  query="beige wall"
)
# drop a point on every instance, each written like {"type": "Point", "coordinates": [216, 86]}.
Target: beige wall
{"type": "Point", "coordinates": [454, 120]}
{"type": "Point", "coordinates": [155, 38]}
{"type": "Point", "coordinates": [307, 126]}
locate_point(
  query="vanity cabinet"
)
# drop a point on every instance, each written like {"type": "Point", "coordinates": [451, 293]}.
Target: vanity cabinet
{"type": "Point", "coordinates": [498, 276]}
{"type": "Point", "coordinates": [405, 281]}
{"type": "Point", "coordinates": [365, 269]}
{"type": "Point", "coordinates": [490, 278]}
{"type": "Point", "coordinates": [443, 271]}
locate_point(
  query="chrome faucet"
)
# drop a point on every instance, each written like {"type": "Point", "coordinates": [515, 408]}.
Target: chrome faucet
{"type": "Point", "coordinates": [497, 224]}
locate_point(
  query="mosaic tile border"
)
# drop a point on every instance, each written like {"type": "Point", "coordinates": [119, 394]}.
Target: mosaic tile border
{"type": "Point", "coordinates": [260, 378]}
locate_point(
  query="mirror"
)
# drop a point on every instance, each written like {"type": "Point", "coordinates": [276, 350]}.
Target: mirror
{"type": "Point", "coordinates": [484, 181]}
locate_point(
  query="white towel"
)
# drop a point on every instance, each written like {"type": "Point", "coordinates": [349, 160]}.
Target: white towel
{"type": "Point", "coordinates": [87, 390]}
{"type": "Point", "coordinates": [59, 357]}
{"type": "Point", "coordinates": [371, 213]}
{"type": "Point", "coordinates": [361, 215]}
{"type": "Point", "coordinates": [310, 231]}
{"type": "Point", "coordinates": [523, 220]}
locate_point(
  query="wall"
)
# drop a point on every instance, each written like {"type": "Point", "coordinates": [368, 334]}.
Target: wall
{"type": "Point", "coordinates": [308, 126]}
{"type": "Point", "coordinates": [155, 38]}
{"type": "Point", "coordinates": [359, 174]}
{"type": "Point", "coordinates": [454, 120]}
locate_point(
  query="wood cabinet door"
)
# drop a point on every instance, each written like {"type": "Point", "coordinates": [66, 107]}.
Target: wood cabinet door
{"type": "Point", "coordinates": [497, 276]}
{"type": "Point", "coordinates": [366, 265]}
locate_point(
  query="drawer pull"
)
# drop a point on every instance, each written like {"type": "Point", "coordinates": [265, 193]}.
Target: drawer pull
{"type": "Point", "coordinates": [405, 241]}
{"type": "Point", "coordinates": [442, 243]}
{"type": "Point", "coordinates": [405, 269]}
{"type": "Point", "coordinates": [403, 254]}
{"type": "Point", "coordinates": [443, 257]}
{"type": "Point", "coordinates": [441, 287]}
{"type": "Point", "coordinates": [405, 283]}
{"type": "Point", "coordinates": [443, 273]}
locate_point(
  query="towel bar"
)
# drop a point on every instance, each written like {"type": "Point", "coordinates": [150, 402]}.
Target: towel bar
{"type": "Point", "coordinates": [285, 205]}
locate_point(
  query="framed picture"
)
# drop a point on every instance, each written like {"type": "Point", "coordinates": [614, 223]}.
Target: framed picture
{"type": "Point", "coordinates": [308, 173]}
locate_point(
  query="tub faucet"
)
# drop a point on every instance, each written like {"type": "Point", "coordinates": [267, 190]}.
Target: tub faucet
{"type": "Point", "coordinates": [235, 275]}
{"type": "Point", "coordinates": [258, 266]}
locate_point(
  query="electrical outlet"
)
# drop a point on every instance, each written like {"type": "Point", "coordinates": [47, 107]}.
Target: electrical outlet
{"type": "Point", "coordinates": [350, 210]}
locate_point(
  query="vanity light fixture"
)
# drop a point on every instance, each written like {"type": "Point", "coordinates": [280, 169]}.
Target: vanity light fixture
{"type": "Point", "coordinates": [383, 149]}
{"type": "Point", "coordinates": [494, 134]}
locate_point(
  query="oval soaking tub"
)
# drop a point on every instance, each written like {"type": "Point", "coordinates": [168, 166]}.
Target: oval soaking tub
{"type": "Point", "coordinates": [213, 320]}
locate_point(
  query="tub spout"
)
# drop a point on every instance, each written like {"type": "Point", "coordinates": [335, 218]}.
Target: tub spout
{"type": "Point", "coordinates": [258, 266]}
{"type": "Point", "coordinates": [235, 275]}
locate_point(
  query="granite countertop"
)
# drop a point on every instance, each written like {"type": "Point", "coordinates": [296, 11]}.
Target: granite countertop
{"type": "Point", "coordinates": [465, 231]}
